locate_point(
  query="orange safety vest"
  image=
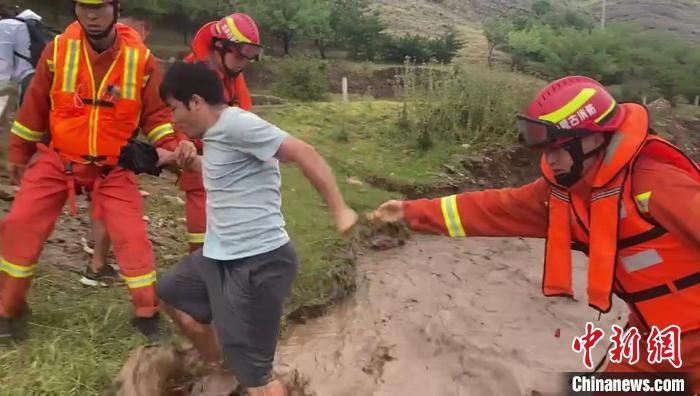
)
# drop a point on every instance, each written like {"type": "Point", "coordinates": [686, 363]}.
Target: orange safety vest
{"type": "Point", "coordinates": [630, 254]}
{"type": "Point", "coordinates": [90, 122]}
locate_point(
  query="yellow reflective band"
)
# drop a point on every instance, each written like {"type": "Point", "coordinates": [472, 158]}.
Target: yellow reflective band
{"type": "Point", "coordinates": [160, 132]}
{"type": "Point", "coordinates": [236, 33]}
{"type": "Point", "coordinates": [194, 237]}
{"type": "Point", "coordinates": [571, 107]}
{"type": "Point", "coordinates": [130, 61]}
{"type": "Point", "coordinates": [136, 282]}
{"type": "Point", "coordinates": [49, 64]}
{"type": "Point", "coordinates": [605, 114]}
{"type": "Point", "coordinates": [26, 133]}
{"type": "Point", "coordinates": [643, 201]}
{"type": "Point", "coordinates": [70, 66]}
{"type": "Point", "coordinates": [451, 216]}
{"type": "Point", "coordinates": [16, 271]}
{"type": "Point", "coordinates": [145, 80]}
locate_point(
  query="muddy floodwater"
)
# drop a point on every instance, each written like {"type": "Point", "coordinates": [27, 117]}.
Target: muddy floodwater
{"type": "Point", "coordinates": [446, 317]}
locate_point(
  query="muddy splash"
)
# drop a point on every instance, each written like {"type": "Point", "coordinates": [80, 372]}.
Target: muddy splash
{"type": "Point", "coordinates": [447, 317]}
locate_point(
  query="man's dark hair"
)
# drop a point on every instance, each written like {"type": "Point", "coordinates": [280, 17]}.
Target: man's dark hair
{"type": "Point", "coordinates": [184, 80]}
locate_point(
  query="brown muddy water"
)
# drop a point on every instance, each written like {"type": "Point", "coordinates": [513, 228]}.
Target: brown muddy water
{"type": "Point", "coordinates": [447, 317]}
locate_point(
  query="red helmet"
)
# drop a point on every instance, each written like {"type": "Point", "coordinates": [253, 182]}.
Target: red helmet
{"type": "Point", "coordinates": [237, 31]}
{"type": "Point", "coordinates": [569, 108]}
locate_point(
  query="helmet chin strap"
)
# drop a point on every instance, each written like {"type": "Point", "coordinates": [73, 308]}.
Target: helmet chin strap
{"type": "Point", "coordinates": [227, 71]}
{"type": "Point", "coordinates": [575, 149]}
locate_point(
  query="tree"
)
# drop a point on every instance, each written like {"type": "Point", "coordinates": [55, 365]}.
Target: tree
{"type": "Point", "coordinates": [356, 28]}
{"type": "Point", "coordinates": [497, 31]}
{"type": "Point", "coordinates": [444, 48]}
{"type": "Point", "coordinates": [287, 19]}
{"type": "Point", "coordinates": [541, 7]}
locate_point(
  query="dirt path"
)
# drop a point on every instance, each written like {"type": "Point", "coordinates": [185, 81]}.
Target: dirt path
{"type": "Point", "coordinates": [447, 317]}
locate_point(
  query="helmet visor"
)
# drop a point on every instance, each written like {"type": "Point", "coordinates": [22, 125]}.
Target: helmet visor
{"type": "Point", "coordinates": [539, 134]}
{"type": "Point", "coordinates": [248, 51]}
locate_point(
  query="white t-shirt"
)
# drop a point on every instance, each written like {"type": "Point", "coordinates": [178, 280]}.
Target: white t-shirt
{"type": "Point", "coordinates": [242, 180]}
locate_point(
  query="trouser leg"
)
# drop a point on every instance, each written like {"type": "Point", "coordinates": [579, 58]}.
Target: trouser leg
{"type": "Point", "coordinates": [121, 207]}
{"type": "Point", "coordinates": [31, 220]}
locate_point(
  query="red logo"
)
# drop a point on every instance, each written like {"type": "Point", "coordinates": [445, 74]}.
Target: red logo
{"type": "Point", "coordinates": [665, 345]}
{"type": "Point", "coordinates": [625, 344]}
{"type": "Point", "coordinates": [587, 342]}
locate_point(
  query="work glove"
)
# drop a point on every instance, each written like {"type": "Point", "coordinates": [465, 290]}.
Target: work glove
{"type": "Point", "coordinates": [139, 157]}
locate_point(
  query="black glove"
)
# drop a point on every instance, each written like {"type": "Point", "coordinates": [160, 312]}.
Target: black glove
{"type": "Point", "coordinates": [139, 157]}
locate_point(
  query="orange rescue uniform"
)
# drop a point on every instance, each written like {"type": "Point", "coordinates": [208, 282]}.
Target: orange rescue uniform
{"type": "Point", "coordinates": [236, 94]}
{"type": "Point", "coordinates": [91, 103]}
{"type": "Point", "coordinates": [636, 217]}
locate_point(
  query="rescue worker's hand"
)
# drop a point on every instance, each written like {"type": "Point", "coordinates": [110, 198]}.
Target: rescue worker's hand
{"type": "Point", "coordinates": [388, 212]}
{"type": "Point", "coordinates": [345, 220]}
{"type": "Point", "coordinates": [186, 154]}
{"type": "Point", "coordinates": [16, 172]}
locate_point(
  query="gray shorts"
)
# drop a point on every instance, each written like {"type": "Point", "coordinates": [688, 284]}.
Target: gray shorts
{"type": "Point", "coordinates": [244, 299]}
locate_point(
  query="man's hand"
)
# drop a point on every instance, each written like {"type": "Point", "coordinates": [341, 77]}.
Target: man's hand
{"type": "Point", "coordinates": [165, 157]}
{"type": "Point", "coordinates": [388, 212]}
{"type": "Point", "coordinates": [345, 220]}
{"type": "Point", "coordinates": [186, 154]}
{"type": "Point", "coordinates": [16, 172]}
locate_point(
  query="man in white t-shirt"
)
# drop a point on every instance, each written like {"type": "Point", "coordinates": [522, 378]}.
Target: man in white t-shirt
{"type": "Point", "coordinates": [14, 49]}
{"type": "Point", "coordinates": [240, 278]}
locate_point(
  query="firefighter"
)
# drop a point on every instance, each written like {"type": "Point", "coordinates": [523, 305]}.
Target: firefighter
{"type": "Point", "coordinates": [609, 188]}
{"type": "Point", "coordinates": [94, 86]}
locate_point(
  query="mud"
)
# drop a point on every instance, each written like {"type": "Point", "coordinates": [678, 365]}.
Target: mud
{"type": "Point", "coordinates": [447, 317]}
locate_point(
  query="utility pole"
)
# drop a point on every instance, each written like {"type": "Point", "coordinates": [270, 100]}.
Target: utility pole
{"type": "Point", "coordinates": [602, 17]}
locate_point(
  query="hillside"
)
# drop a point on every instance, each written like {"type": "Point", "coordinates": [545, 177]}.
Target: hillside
{"type": "Point", "coordinates": [431, 16]}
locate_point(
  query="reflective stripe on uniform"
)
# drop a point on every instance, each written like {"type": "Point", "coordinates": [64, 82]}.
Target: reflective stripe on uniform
{"type": "Point", "coordinates": [16, 271]}
{"type": "Point", "coordinates": [49, 64]}
{"type": "Point", "coordinates": [194, 237]}
{"type": "Point", "coordinates": [145, 80]}
{"type": "Point", "coordinates": [641, 260]}
{"type": "Point", "coordinates": [569, 108]}
{"type": "Point", "coordinates": [26, 133]}
{"type": "Point", "coordinates": [70, 66]}
{"type": "Point", "coordinates": [450, 215]}
{"type": "Point", "coordinates": [643, 201]}
{"type": "Point", "coordinates": [131, 60]}
{"type": "Point", "coordinates": [623, 211]}
{"type": "Point", "coordinates": [135, 282]}
{"type": "Point", "coordinates": [160, 132]}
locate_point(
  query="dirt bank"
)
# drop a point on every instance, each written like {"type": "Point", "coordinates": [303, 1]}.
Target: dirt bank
{"type": "Point", "coordinates": [446, 317]}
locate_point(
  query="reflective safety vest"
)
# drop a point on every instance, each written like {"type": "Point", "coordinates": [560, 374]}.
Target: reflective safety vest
{"type": "Point", "coordinates": [630, 254]}
{"type": "Point", "coordinates": [91, 120]}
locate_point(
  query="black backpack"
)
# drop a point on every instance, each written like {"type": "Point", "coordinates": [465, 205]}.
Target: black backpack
{"type": "Point", "coordinates": [39, 36]}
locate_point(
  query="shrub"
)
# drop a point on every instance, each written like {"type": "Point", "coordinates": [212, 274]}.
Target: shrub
{"type": "Point", "coordinates": [302, 79]}
{"type": "Point", "coordinates": [458, 106]}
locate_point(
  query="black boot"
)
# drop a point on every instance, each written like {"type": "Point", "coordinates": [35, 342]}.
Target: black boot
{"type": "Point", "coordinates": [149, 327]}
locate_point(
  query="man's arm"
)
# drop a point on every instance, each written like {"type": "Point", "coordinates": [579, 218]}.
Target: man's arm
{"type": "Point", "coordinates": [316, 170]}
{"type": "Point", "coordinates": [505, 212]}
{"type": "Point", "coordinates": [265, 141]}
{"type": "Point", "coordinates": [670, 196]}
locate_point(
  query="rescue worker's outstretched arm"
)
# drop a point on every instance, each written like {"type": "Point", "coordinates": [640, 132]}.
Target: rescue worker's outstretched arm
{"type": "Point", "coordinates": [33, 117]}
{"type": "Point", "coordinates": [156, 117]}
{"type": "Point", "coordinates": [320, 175]}
{"type": "Point", "coordinates": [507, 212]}
{"type": "Point", "coordinates": [671, 196]}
